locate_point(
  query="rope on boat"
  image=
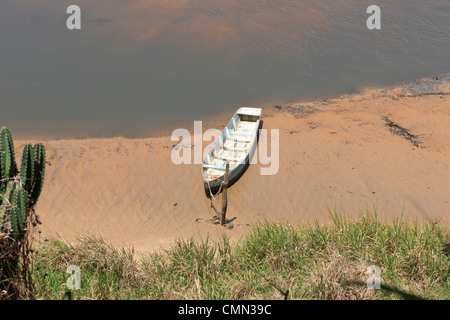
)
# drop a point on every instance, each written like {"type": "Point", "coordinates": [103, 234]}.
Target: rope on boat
{"type": "Point", "coordinates": [210, 192]}
{"type": "Point", "coordinates": [213, 197]}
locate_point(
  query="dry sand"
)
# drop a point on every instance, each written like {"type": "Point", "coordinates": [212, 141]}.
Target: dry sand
{"type": "Point", "coordinates": [335, 154]}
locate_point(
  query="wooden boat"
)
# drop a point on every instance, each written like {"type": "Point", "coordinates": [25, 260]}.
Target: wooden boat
{"type": "Point", "coordinates": [236, 144]}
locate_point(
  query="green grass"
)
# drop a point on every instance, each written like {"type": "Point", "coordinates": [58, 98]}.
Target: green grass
{"type": "Point", "coordinates": [311, 262]}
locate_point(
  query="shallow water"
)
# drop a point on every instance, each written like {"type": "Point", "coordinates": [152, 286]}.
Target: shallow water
{"type": "Point", "coordinates": [139, 65]}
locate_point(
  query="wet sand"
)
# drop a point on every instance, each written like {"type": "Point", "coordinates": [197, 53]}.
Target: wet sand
{"type": "Point", "coordinates": [384, 150]}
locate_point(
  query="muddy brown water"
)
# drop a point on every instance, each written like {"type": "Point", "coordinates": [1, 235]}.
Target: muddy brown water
{"type": "Point", "coordinates": [138, 66]}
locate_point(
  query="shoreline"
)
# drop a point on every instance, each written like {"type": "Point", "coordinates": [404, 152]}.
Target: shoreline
{"type": "Point", "coordinates": [271, 108]}
{"type": "Point", "coordinates": [335, 153]}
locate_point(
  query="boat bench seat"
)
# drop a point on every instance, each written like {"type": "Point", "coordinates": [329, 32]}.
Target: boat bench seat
{"type": "Point", "coordinates": [235, 148]}
{"type": "Point", "coordinates": [230, 158]}
{"type": "Point", "coordinates": [240, 139]}
{"type": "Point", "coordinates": [242, 133]}
{"type": "Point", "coordinates": [208, 166]}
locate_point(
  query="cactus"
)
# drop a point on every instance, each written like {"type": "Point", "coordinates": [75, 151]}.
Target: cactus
{"type": "Point", "coordinates": [19, 192]}
{"type": "Point", "coordinates": [20, 202]}
{"type": "Point", "coordinates": [39, 172]}
{"type": "Point", "coordinates": [27, 167]}
{"type": "Point", "coordinates": [15, 224]}
{"type": "Point", "coordinates": [8, 168]}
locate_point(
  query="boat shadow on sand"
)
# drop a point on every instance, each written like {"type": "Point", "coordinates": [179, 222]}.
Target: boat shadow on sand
{"type": "Point", "coordinates": [231, 182]}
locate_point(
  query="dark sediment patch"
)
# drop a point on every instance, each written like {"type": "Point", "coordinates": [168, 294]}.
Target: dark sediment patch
{"type": "Point", "coordinates": [435, 85]}
{"type": "Point", "coordinates": [398, 130]}
{"type": "Point", "coordinates": [302, 111]}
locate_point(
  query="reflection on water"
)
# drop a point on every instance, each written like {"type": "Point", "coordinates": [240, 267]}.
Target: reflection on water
{"type": "Point", "coordinates": [140, 65]}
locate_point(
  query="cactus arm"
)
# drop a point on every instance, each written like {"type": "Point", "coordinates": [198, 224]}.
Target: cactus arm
{"type": "Point", "coordinates": [9, 167]}
{"type": "Point", "coordinates": [13, 169]}
{"type": "Point", "coordinates": [39, 172]}
{"type": "Point", "coordinates": [20, 201]}
{"type": "Point", "coordinates": [14, 214]}
{"type": "Point", "coordinates": [27, 167]}
{"type": "Point", "coordinates": [5, 158]}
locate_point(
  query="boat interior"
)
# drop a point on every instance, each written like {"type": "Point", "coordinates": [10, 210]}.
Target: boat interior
{"type": "Point", "coordinates": [232, 145]}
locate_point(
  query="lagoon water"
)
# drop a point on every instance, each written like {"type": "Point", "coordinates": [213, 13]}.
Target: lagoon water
{"type": "Point", "coordinates": [137, 66]}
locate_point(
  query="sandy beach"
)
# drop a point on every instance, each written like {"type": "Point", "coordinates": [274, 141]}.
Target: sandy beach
{"type": "Point", "coordinates": [381, 149]}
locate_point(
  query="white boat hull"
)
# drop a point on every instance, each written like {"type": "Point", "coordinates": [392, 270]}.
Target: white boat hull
{"type": "Point", "coordinates": [236, 144]}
